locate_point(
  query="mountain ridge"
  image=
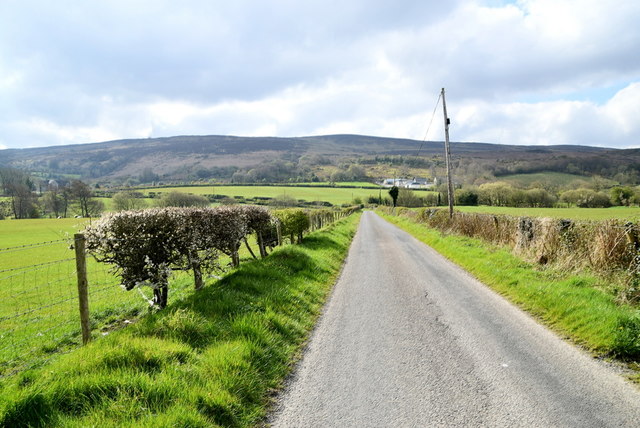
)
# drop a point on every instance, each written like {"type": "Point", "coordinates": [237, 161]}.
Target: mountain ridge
{"type": "Point", "coordinates": [179, 156]}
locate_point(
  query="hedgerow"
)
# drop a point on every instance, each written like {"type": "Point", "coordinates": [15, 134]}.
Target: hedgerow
{"type": "Point", "coordinates": [145, 246]}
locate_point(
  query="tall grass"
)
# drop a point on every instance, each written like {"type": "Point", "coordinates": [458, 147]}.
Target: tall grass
{"type": "Point", "coordinates": [574, 303]}
{"type": "Point", "coordinates": [608, 248]}
{"type": "Point", "coordinates": [209, 360]}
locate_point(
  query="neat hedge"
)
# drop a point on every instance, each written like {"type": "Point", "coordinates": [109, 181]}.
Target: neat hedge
{"type": "Point", "coordinates": [145, 246]}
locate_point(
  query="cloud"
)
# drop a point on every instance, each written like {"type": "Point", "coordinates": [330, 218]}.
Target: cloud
{"type": "Point", "coordinates": [523, 72]}
{"type": "Point", "coordinates": [613, 124]}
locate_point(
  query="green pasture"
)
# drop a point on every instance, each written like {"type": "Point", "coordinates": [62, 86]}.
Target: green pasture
{"type": "Point", "coordinates": [622, 213]}
{"type": "Point", "coordinates": [334, 195]}
{"type": "Point", "coordinates": [212, 358]}
{"type": "Point", "coordinates": [338, 184]}
{"type": "Point", "coordinates": [39, 314]}
{"type": "Point", "coordinates": [552, 179]}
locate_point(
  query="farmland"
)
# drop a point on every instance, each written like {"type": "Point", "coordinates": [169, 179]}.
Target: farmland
{"type": "Point", "coordinates": [622, 213]}
{"type": "Point", "coordinates": [333, 195]}
{"type": "Point", "coordinates": [207, 359]}
{"type": "Point", "coordinates": [39, 315]}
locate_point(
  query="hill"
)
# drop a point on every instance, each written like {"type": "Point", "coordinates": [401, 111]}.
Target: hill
{"type": "Point", "coordinates": [245, 159]}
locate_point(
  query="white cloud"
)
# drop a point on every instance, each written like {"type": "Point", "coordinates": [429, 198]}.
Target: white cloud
{"type": "Point", "coordinates": [614, 124]}
{"type": "Point", "coordinates": [514, 72]}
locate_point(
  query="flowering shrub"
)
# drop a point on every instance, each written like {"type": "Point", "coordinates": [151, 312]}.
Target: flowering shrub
{"type": "Point", "coordinates": [145, 246]}
{"type": "Point", "coordinates": [142, 245]}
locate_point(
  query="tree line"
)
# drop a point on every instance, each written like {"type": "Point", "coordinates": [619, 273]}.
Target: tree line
{"type": "Point", "coordinates": [30, 198]}
{"type": "Point", "coordinates": [501, 194]}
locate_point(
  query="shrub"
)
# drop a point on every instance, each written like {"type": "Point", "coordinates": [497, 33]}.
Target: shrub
{"type": "Point", "coordinates": [407, 198]}
{"type": "Point", "coordinates": [293, 222]}
{"type": "Point", "coordinates": [127, 200]}
{"type": "Point", "coordinates": [142, 246]}
{"type": "Point", "coordinates": [179, 199]}
{"type": "Point", "coordinates": [466, 197]}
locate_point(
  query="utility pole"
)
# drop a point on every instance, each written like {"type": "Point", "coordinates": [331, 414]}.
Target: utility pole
{"type": "Point", "coordinates": [447, 152]}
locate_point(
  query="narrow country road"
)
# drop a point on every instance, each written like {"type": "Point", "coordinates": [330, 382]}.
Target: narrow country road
{"type": "Point", "coordinates": [408, 339]}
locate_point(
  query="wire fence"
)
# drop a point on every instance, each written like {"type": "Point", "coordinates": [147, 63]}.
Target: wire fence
{"type": "Point", "coordinates": [39, 309]}
{"type": "Point", "coordinates": [43, 312]}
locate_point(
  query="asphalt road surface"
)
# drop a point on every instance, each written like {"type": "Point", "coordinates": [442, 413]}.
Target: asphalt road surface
{"type": "Point", "coordinates": [408, 339]}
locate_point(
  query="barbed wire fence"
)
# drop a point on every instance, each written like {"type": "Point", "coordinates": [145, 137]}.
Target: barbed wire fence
{"type": "Point", "coordinates": [40, 313]}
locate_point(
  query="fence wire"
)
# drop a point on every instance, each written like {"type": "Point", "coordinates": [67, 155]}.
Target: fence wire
{"type": "Point", "coordinates": [39, 306]}
{"type": "Point", "coordinates": [39, 315]}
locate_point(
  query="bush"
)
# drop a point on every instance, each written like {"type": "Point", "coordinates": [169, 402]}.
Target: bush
{"type": "Point", "coordinates": [407, 198]}
{"type": "Point", "coordinates": [128, 200]}
{"type": "Point", "coordinates": [179, 199]}
{"type": "Point", "coordinates": [466, 197]}
{"type": "Point", "coordinates": [293, 222]}
{"type": "Point", "coordinates": [586, 198]}
{"type": "Point", "coordinates": [144, 246]}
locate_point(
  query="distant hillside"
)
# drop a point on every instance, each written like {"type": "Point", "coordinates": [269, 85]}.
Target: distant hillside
{"type": "Point", "coordinates": [278, 159]}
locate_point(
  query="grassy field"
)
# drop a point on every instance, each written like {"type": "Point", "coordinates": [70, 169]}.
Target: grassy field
{"type": "Point", "coordinates": [574, 305]}
{"type": "Point", "coordinates": [210, 359]}
{"type": "Point", "coordinates": [623, 213]}
{"type": "Point", "coordinates": [552, 179]}
{"type": "Point", "coordinates": [334, 195]}
{"type": "Point", "coordinates": [39, 315]}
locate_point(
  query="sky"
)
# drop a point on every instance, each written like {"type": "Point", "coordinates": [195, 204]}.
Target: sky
{"type": "Point", "coordinates": [527, 72]}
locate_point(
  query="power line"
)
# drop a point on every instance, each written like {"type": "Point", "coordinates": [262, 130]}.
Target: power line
{"type": "Point", "coordinates": [426, 134]}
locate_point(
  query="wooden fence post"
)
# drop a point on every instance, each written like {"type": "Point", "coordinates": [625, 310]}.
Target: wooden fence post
{"type": "Point", "coordinates": [83, 294]}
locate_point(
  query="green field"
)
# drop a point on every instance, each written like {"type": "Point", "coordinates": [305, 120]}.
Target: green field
{"type": "Point", "coordinates": [210, 359]}
{"type": "Point", "coordinates": [622, 213]}
{"type": "Point", "coordinates": [552, 179]}
{"type": "Point", "coordinates": [39, 314]}
{"type": "Point", "coordinates": [334, 195]}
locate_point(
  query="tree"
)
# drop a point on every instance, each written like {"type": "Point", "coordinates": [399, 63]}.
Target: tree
{"type": "Point", "coordinates": [621, 195]}
{"type": "Point", "coordinates": [393, 192]}
{"type": "Point", "coordinates": [180, 199]}
{"type": "Point", "coordinates": [407, 198]}
{"type": "Point", "coordinates": [536, 198]}
{"type": "Point", "coordinates": [496, 194]}
{"type": "Point", "coordinates": [586, 198]}
{"type": "Point", "coordinates": [81, 192]}
{"type": "Point", "coordinates": [128, 200]}
{"type": "Point", "coordinates": [53, 201]}
{"type": "Point", "coordinates": [148, 176]}
{"type": "Point", "coordinates": [466, 197]}
{"type": "Point", "coordinates": [19, 187]}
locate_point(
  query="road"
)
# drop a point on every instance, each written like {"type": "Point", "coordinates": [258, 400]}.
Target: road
{"type": "Point", "coordinates": [408, 339]}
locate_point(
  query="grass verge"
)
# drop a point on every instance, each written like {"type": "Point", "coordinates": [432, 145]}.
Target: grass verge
{"type": "Point", "coordinates": [573, 305]}
{"type": "Point", "coordinates": [211, 359]}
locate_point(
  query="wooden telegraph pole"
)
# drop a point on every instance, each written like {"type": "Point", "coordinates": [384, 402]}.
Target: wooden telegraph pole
{"type": "Point", "coordinates": [447, 151]}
